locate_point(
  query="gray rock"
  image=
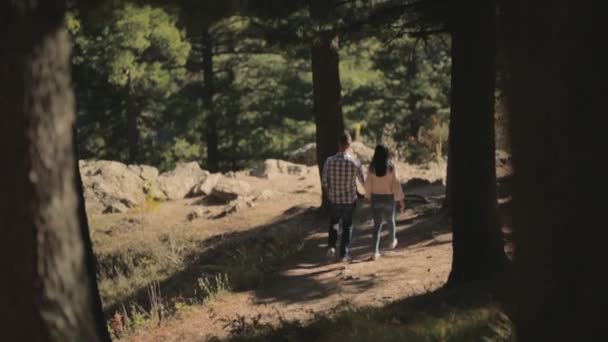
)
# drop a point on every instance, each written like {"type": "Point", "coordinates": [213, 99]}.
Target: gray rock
{"type": "Point", "coordinates": [145, 172]}
{"type": "Point", "coordinates": [230, 189]}
{"type": "Point", "coordinates": [236, 205]}
{"type": "Point", "coordinates": [265, 195]}
{"type": "Point", "coordinates": [362, 152]}
{"type": "Point", "coordinates": [307, 154]}
{"type": "Point", "coordinates": [274, 167]}
{"type": "Point", "coordinates": [205, 187]}
{"type": "Point", "coordinates": [110, 187]}
{"type": "Point", "coordinates": [179, 182]}
{"type": "Point", "coordinates": [195, 214]}
{"type": "Point", "coordinates": [504, 168]}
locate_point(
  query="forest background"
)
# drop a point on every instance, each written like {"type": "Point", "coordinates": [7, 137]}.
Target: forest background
{"type": "Point", "coordinates": [162, 88]}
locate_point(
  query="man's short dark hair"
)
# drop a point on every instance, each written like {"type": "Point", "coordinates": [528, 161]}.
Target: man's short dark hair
{"type": "Point", "coordinates": [345, 139]}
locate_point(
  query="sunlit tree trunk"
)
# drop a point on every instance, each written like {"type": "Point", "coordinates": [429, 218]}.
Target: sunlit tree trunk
{"type": "Point", "coordinates": [326, 88]}
{"type": "Point", "coordinates": [478, 249]}
{"type": "Point", "coordinates": [47, 284]}
{"type": "Point", "coordinates": [556, 97]}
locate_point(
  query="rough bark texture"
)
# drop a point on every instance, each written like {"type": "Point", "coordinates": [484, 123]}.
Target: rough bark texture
{"type": "Point", "coordinates": [90, 261]}
{"type": "Point", "coordinates": [132, 130]}
{"type": "Point", "coordinates": [478, 246]}
{"type": "Point", "coordinates": [46, 284]}
{"type": "Point", "coordinates": [556, 58]}
{"type": "Point", "coordinates": [326, 88]}
{"type": "Point", "coordinates": [211, 137]}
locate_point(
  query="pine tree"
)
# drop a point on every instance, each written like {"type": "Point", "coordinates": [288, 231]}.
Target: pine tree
{"type": "Point", "coordinates": [48, 279]}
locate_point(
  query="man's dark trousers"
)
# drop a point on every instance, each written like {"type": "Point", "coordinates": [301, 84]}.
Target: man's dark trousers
{"type": "Point", "coordinates": [341, 214]}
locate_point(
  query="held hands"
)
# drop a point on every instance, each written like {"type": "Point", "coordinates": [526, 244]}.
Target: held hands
{"type": "Point", "coordinates": [402, 206]}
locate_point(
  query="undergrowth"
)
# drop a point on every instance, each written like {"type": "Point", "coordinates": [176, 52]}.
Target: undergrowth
{"type": "Point", "coordinates": [146, 260]}
{"type": "Point", "coordinates": [429, 317]}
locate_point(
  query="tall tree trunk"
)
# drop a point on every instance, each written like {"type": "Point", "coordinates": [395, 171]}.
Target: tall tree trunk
{"type": "Point", "coordinates": [556, 97]}
{"type": "Point", "coordinates": [211, 136]}
{"type": "Point", "coordinates": [47, 286]}
{"type": "Point", "coordinates": [327, 95]}
{"type": "Point", "coordinates": [132, 129]}
{"type": "Point", "coordinates": [415, 118]}
{"type": "Point", "coordinates": [132, 134]}
{"type": "Point", "coordinates": [448, 175]}
{"type": "Point", "coordinates": [478, 249]}
{"type": "Point", "coordinates": [90, 261]}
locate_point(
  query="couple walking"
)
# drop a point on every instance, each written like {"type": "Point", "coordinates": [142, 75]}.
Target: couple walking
{"type": "Point", "coordinates": [339, 178]}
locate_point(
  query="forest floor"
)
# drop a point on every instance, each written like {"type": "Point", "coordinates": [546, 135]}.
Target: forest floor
{"type": "Point", "coordinates": [257, 271]}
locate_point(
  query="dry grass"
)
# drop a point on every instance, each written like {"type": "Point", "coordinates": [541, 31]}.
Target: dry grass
{"type": "Point", "coordinates": [134, 259]}
{"type": "Point", "coordinates": [457, 315]}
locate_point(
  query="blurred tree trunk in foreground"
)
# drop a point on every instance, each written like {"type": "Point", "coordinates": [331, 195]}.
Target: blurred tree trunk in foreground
{"type": "Point", "coordinates": [556, 93]}
{"type": "Point", "coordinates": [47, 284]}
{"type": "Point", "coordinates": [478, 247]}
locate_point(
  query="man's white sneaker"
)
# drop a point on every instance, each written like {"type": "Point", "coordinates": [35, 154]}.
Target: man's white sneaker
{"type": "Point", "coordinates": [376, 256]}
{"type": "Point", "coordinates": [346, 258]}
{"type": "Point", "coordinates": [394, 244]}
{"type": "Point", "coordinates": [331, 254]}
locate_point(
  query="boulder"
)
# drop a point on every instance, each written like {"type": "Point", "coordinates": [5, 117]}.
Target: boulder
{"type": "Point", "coordinates": [205, 187]}
{"type": "Point", "coordinates": [274, 167]}
{"type": "Point", "coordinates": [146, 173]}
{"type": "Point", "coordinates": [362, 152]}
{"type": "Point", "coordinates": [307, 154]}
{"type": "Point", "coordinates": [265, 194]}
{"type": "Point", "coordinates": [178, 183]}
{"type": "Point", "coordinates": [503, 164]}
{"type": "Point", "coordinates": [93, 204]}
{"type": "Point", "coordinates": [230, 189]}
{"type": "Point", "coordinates": [236, 206]}
{"type": "Point", "coordinates": [110, 187]}
{"type": "Point", "coordinates": [417, 182]}
{"type": "Point", "coordinates": [195, 214]}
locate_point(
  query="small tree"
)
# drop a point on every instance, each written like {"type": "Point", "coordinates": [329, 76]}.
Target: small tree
{"type": "Point", "coordinates": [435, 138]}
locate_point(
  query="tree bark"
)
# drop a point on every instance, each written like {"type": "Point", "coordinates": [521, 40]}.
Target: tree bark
{"type": "Point", "coordinates": [132, 132]}
{"type": "Point", "coordinates": [46, 282]}
{"type": "Point", "coordinates": [556, 99]}
{"type": "Point", "coordinates": [327, 97]}
{"type": "Point", "coordinates": [448, 175]}
{"type": "Point", "coordinates": [90, 260]}
{"type": "Point", "coordinates": [210, 136]}
{"type": "Point", "coordinates": [132, 116]}
{"type": "Point", "coordinates": [478, 250]}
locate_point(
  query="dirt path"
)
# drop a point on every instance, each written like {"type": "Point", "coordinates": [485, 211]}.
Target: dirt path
{"type": "Point", "coordinates": [308, 285]}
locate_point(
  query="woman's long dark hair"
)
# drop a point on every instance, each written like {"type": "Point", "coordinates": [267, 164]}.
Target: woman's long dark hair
{"type": "Point", "coordinates": [381, 162]}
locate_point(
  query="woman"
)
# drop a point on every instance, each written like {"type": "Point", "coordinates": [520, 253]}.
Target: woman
{"type": "Point", "coordinates": [384, 190]}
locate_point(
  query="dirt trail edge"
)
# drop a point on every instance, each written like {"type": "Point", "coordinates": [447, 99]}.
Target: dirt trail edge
{"type": "Point", "coordinates": [308, 285]}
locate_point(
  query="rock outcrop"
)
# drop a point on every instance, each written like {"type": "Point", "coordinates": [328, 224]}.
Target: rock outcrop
{"type": "Point", "coordinates": [205, 187]}
{"type": "Point", "coordinates": [307, 154]}
{"type": "Point", "coordinates": [229, 189]}
{"type": "Point", "coordinates": [111, 187]}
{"type": "Point", "coordinates": [179, 182]}
{"type": "Point", "coordinates": [503, 164]}
{"type": "Point", "coordinates": [273, 167]}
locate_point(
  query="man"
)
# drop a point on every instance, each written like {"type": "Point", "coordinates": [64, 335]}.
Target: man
{"type": "Point", "coordinates": [340, 174]}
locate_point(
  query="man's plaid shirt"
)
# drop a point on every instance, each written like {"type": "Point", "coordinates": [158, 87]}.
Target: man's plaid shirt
{"type": "Point", "coordinates": [340, 173]}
